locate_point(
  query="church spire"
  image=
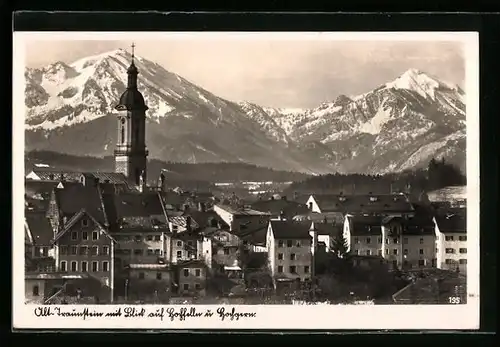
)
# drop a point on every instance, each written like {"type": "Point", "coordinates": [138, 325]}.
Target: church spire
{"type": "Point", "coordinates": [132, 72]}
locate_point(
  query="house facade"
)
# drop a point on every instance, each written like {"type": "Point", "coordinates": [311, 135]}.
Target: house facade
{"type": "Point", "coordinates": [289, 250]}
{"type": "Point", "coordinates": [451, 241]}
{"type": "Point", "coordinates": [191, 278]}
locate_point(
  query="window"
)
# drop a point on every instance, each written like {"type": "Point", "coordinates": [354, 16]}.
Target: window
{"type": "Point", "coordinates": [421, 262]}
{"type": "Point", "coordinates": [293, 269]}
{"type": "Point", "coordinates": [105, 250]}
{"type": "Point", "coordinates": [122, 132]}
{"type": "Point", "coordinates": [157, 251]}
{"type": "Point", "coordinates": [368, 240]}
{"type": "Point", "coordinates": [157, 237]}
{"type": "Point", "coordinates": [198, 272]}
{"type": "Point", "coordinates": [448, 238]}
{"type": "Point", "coordinates": [85, 222]}
{"type": "Point", "coordinates": [448, 261]}
{"type": "Point", "coordinates": [356, 240]}
{"type": "Point", "coordinates": [395, 251]}
{"type": "Point", "coordinates": [463, 250]}
{"type": "Point", "coordinates": [149, 237]}
{"type": "Point", "coordinates": [95, 235]}
{"type": "Point", "coordinates": [127, 251]}
{"type": "Point", "coordinates": [63, 266]}
{"type": "Point", "coordinates": [280, 256]}
{"type": "Point", "coordinates": [85, 266]}
{"type": "Point", "coordinates": [387, 241]}
{"type": "Point", "coordinates": [405, 251]}
{"type": "Point", "coordinates": [186, 272]}
{"type": "Point", "coordinates": [356, 251]}
{"type": "Point", "coordinates": [95, 250]}
{"type": "Point", "coordinates": [35, 291]}
{"type": "Point", "coordinates": [462, 238]}
{"type": "Point", "coordinates": [387, 251]}
{"type": "Point", "coordinates": [63, 250]}
{"type": "Point", "coordinates": [138, 238]}
{"type": "Point", "coordinates": [380, 252]}
{"type": "Point", "coordinates": [190, 243]}
{"type": "Point", "coordinates": [226, 251]}
{"type": "Point", "coordinates": [379, 240]}
{"type": "Point", "coordinates": [450, 250]}
{"type": "Point", "coordinates": [306, 269]}
{"type": "Point", "coordinates": [105, 266]}
{"type": "Point", "coordinates": [405, 240]}
{"type": "Point", "coordinates": [95, 266]}
{"type": "Point", "coordinates": [463, 261]}
{"type": "Point", "coordinates": [158, 275]}
{"type": "Point", "coordinates": [179, 254]}
{"type": "Point", "coordinates": [74, 266]}
{"type": "Point", "coordinates": [84, 250]}
{"type": "Point", "coordinates": [74, 250]}
{"type": "Point", "coordinates": [280, 269]}
{"type": "Point", "coordinates": [85, 235]}
{"type": "Point", "coordinates": [141, 275]}
{"type": "Point", "coordinates": [395, 240]}
{"type": "Point", "coordinates": [179, 243]}
{"type": "Point", "coordinates": [44, 251]}
{"type": "Point", "coordinates": [138, 252]}
{"type": "Point", "coordinates": [197, 286]}
{"type": "Point", "coordinates": [368, 252]}
{"type": "Point", "coordinates": [298, 244]}
{"type": "Point", "coordinates": [421, 240]}
{"type": "Point", "coordinates": [289, 243]}
{"type": "Point", "coordinates": [74, 235]}
{"type": "Point", "coordinates": [421, 251]}
{"type": "Point", "coordinates": [186, 286]}
{"type": "Point", "coordinates": [292, 256]}
{"type": "Point", "coordinates": [150, 251]}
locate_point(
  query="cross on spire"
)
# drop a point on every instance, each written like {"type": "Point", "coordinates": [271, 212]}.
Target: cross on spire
{"type": "Point", "coordinates": [133, 46]}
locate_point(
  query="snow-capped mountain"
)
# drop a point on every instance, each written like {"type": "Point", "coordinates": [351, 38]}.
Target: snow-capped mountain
{"type": "Point", "coordinates": [70, 109]}
{"type": "Point", "coordinates": [397, 126]}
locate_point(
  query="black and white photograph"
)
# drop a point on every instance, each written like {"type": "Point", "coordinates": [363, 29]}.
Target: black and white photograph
{"type": "Point", "coordinates": [261, 171]}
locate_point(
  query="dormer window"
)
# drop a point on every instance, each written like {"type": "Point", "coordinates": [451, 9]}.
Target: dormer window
{"type": "Point", "coordinates": [342, 198]}
{"type": "Point", "coordinates": [373, 198]}
{"type": "Point", "coordinates": [85, 222]}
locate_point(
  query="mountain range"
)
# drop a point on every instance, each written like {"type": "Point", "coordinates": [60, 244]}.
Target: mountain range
{"type": "Point", "coordinates": [400, 125]}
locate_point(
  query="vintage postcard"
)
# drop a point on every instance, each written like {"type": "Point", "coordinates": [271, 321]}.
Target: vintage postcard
{"type": "Point", "coordinates": [185, 180]}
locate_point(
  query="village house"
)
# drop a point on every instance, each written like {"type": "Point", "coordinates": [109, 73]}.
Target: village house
{"type": "Point", "coordinates": [81, 239]}
{"type": "Point", "coordinates": [238, 218]}
{"type": "Point", "coordinates": [148, 281]}
{"type": "Point", "coordinates": [39, 249]}
{"type": "Point", "coordinates": [191, 278]}
{"type": "Point", "coordinates": [327, 233]}
{"type": "Point", "coordinates": [289, 246]}
{"type": "Point", "coordinates": [363, 235]}
{"type": "Point", "coordinates": [184, 240]}
{"type": "Point", "coordinates": [363, 205]}
{"type": "Point", "coordinates": [409, 242]}
{"type": "Point", "coordinates": [451, 240]}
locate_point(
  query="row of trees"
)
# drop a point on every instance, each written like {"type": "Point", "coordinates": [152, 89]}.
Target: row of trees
{"type": "Point", "coordinates": [438, 174]}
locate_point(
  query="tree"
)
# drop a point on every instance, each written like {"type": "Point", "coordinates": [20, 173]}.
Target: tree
{"type": "Point", "coordinates": [340, 246]}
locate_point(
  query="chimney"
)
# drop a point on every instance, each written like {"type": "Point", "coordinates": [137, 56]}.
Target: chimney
{"type": "Point", "coordinates": [186, 207]}
{"type": "Point", "coordinates": [162, 182]}
{"type": "Point", "coordinates": [61, 177]}
{"type": "Point", "coordinates": [282, 215]}
{"type": "Point", "coordinates": [295, 195]}
{"type": "Point", "coordinates": [51, 176]}
{"type": "Point", "coordinates": [188, 223]}
{"type": "Point", "coordinates": [96, 181]}
{"type": "Point", "coordinates": [201, 207]}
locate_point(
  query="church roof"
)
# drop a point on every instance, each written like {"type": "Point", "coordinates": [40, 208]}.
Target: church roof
{"type": "Point", "coordinates": [131, 99]}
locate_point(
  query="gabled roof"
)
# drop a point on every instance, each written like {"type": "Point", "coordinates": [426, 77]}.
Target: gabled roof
{"type": "Point", "coordinates": [106, 177]}
{"type": "Point", "coordinates": [327, 228]}
{"type": "Point", "coordinates": [207, 219]}
{"type": "Point", "coordinates": [257, 236]}
{"type": "Point", "coordinates": [38, 228]}
{"type": "Point", "coordinates": [73, 198]}
{"type": "Point", "coordinates": [182, 222]}
{"type": "Point", "coordinates": [75, 219]}
{"type": "Point", "coordinates": [51, 174]}
{"type": "Point", "coordinates": [241, 211]}
{"type": "Point", "coordinates": [290, 229]}
{"type": "Point", "coordinates": [135, 204]}
{"type": "Point", "coordinates": [362, 203]}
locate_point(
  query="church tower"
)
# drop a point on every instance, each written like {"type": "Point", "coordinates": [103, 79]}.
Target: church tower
{"type": "Point", "coordinates": [131, 152]}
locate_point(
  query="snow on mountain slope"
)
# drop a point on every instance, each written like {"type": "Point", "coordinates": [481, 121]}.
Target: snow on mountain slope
{"type": "Point", "coordinates": [70, 109]}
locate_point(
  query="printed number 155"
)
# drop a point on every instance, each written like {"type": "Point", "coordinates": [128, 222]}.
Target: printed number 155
{"type": "Point", "coordinates": [454, 300]}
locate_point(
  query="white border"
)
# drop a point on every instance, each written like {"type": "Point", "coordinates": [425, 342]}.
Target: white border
{"type": "Point", "coordinates": [268, 316]}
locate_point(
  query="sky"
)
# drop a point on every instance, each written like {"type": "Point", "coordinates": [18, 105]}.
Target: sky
{"type": "Point", "coordinates": [275, 72]}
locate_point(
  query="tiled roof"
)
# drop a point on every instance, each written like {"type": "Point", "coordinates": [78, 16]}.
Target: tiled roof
{"type": "Point", "coordinates": [290, 229]}
{"type": "Point", "coordinates": [135, 204]}
{"type": "Point", "coordinates": [73, 198]}
{"type": "Point", "coordinates": [362, 225]}
{"type": "Point", "coordinates": [206, 219]}
{"type": "Point", "coordinates": [241, 211]}
{"type": "Point", "coordinates": [182, 222]}
{"type": "Point", "coordinates": [106, 177]}
{"type": "Point", "coordinates": [363, 203]}
{"type": "Point", "coordinates": [256, 236]}
{"type": "Point", "coordinates": [39, 227]}
{"type": "Point", "coordinates": [275, 207]}
{"type": "Point", "coordinates": [453, 223]}
{"type": "Point", "coordinates": [55, 175]}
